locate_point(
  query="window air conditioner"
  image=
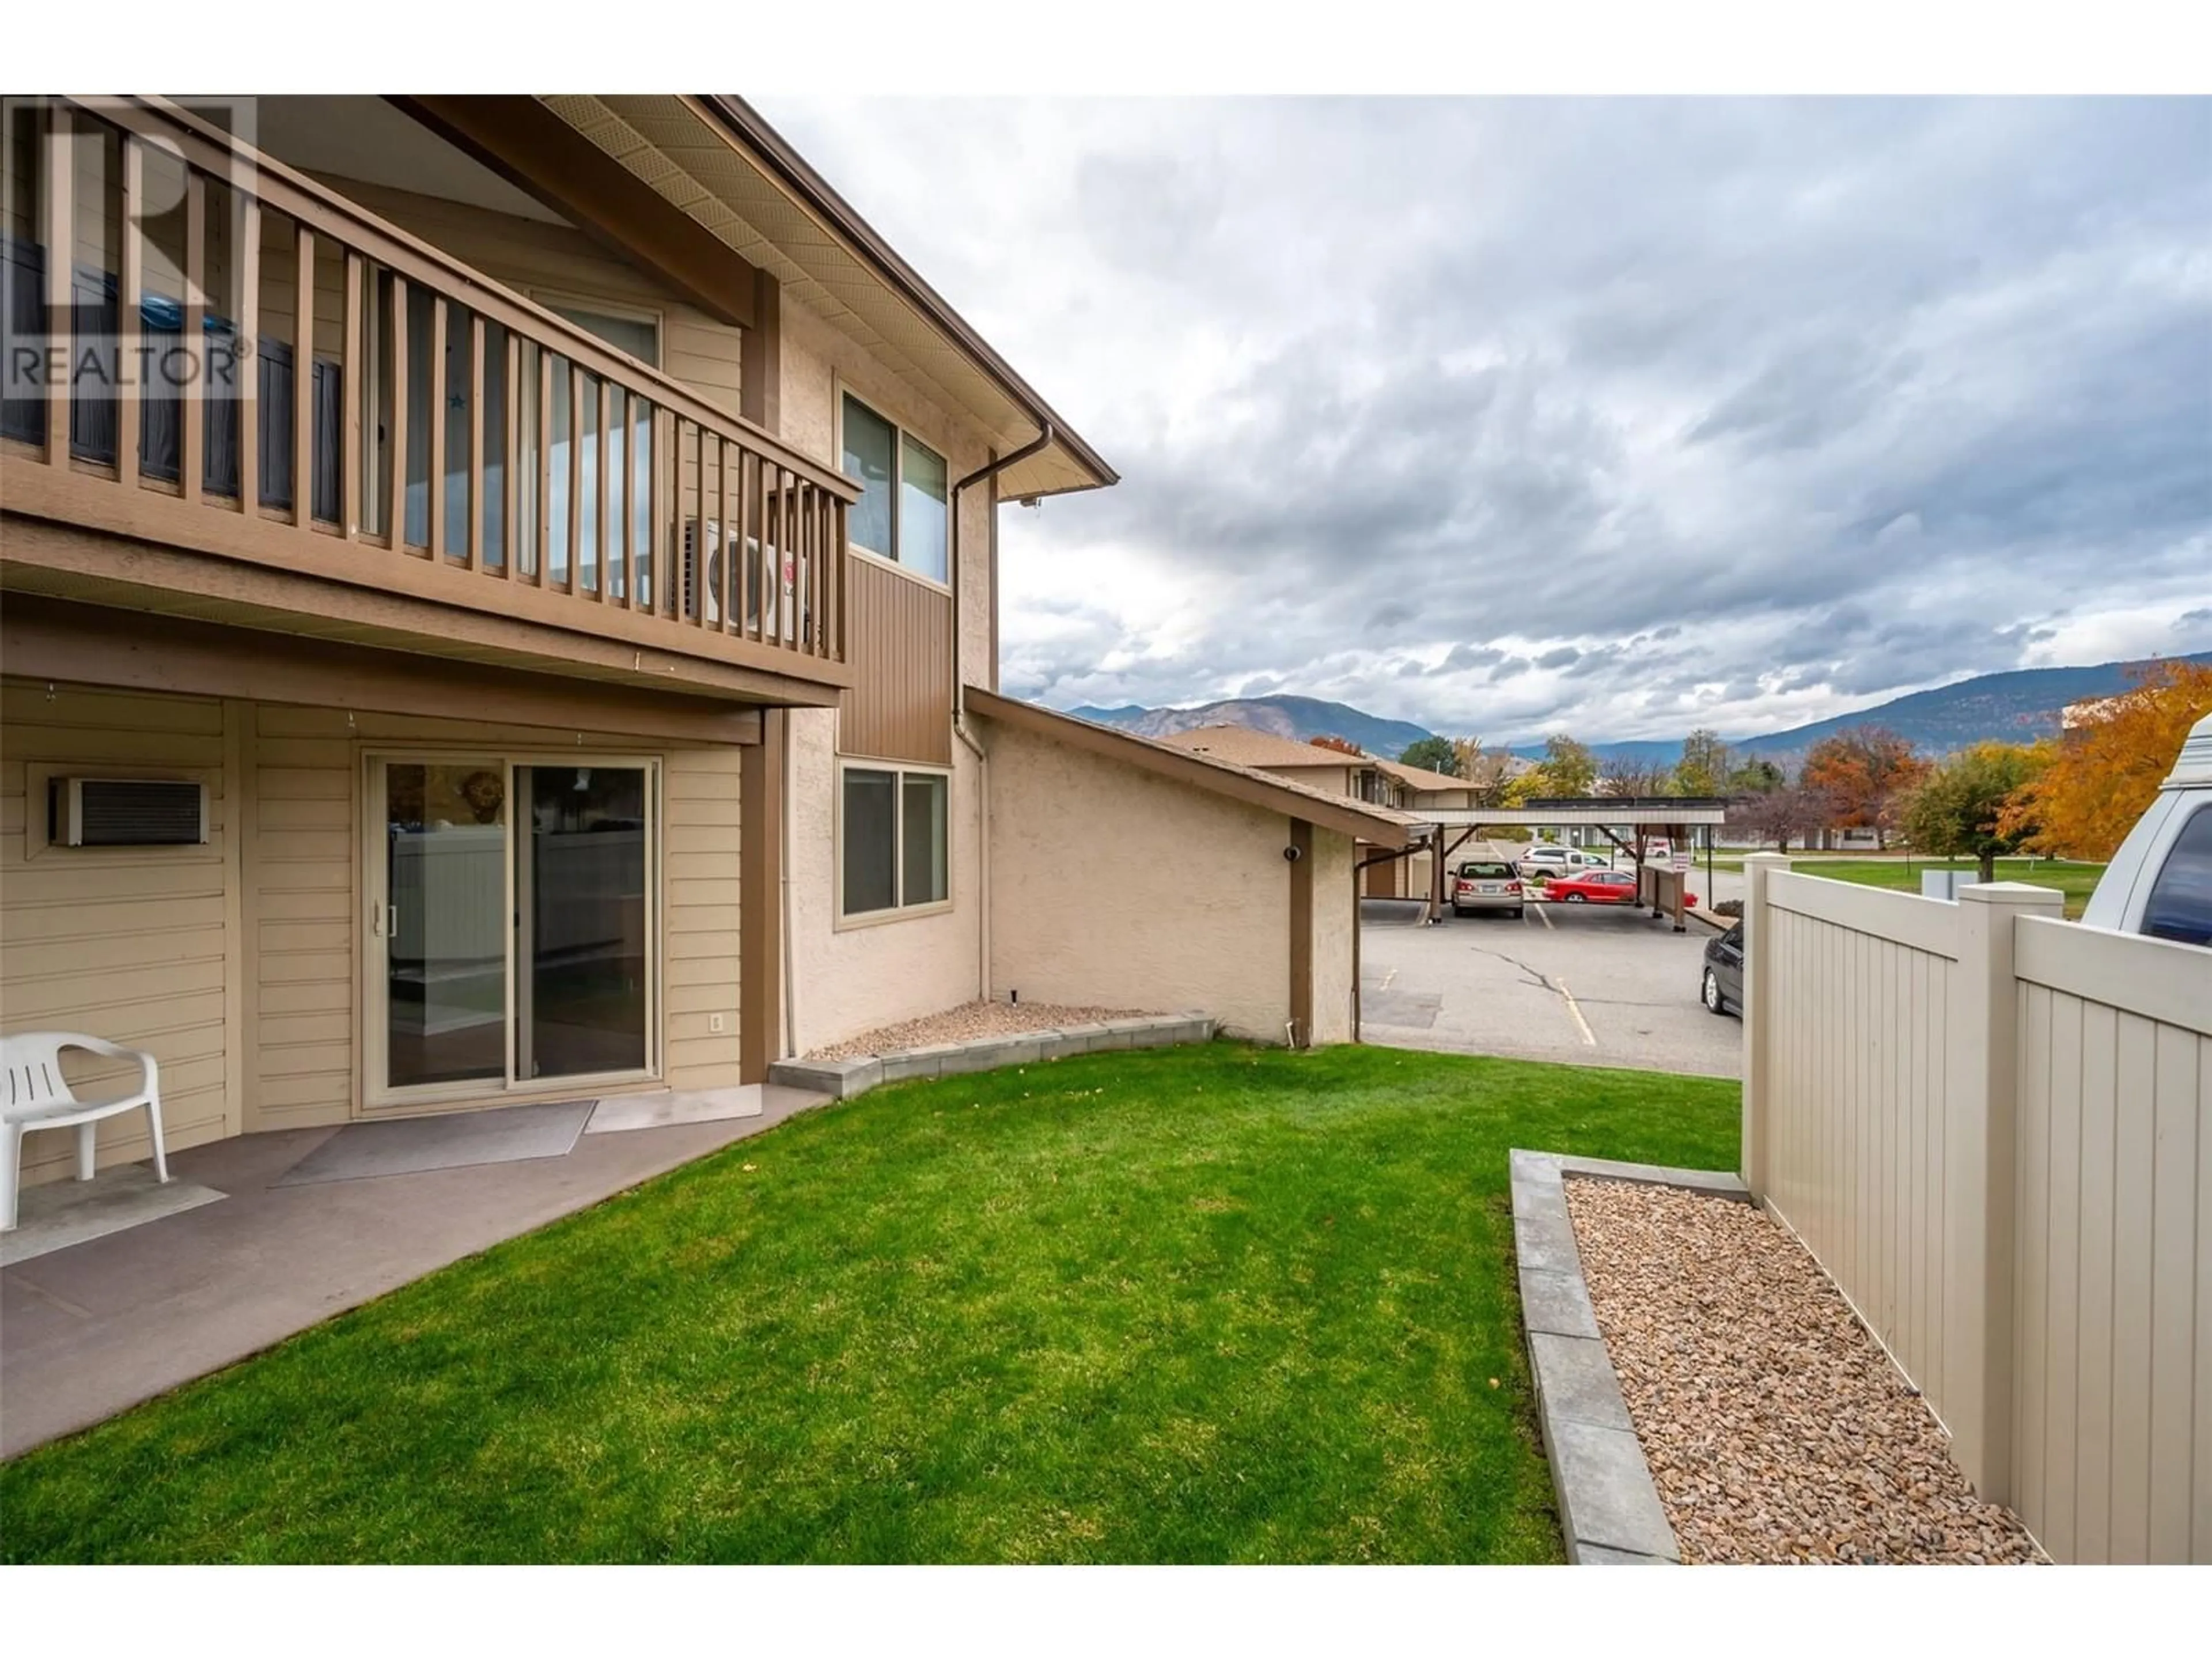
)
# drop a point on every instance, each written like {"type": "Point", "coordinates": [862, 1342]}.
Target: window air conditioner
{"type": "Point", "coordinates": [127, 812]}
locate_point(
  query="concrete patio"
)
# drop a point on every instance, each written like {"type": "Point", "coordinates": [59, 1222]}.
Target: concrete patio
{"type": "Point", "coordinates": [92, 1329]}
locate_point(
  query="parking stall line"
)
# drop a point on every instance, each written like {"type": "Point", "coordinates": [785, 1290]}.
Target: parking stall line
{"type": "Point", "coordinates": [1566, 996]}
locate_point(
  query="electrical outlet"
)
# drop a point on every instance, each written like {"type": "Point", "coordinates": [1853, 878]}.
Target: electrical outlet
{"type": "Point", "coordinates": [713, 1023]}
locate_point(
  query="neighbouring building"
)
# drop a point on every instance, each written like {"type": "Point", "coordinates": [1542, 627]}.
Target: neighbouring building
{"type": "Point", "coordinates": [502, 603]}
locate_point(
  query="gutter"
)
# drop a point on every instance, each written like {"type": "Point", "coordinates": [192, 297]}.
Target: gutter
{"type": "Point", "coordinates": [989, 470]}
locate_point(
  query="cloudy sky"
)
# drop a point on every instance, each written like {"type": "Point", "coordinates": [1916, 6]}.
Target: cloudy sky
{"type": "Point", "coordinates": [1514, 415]}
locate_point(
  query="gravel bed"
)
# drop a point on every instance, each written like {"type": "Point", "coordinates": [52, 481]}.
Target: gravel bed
{"type": "Point", "coordinates": [1775, 1428]}
{"type": "Point", "coordinates": [970, 1021]}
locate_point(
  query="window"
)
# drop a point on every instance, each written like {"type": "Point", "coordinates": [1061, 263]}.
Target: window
{"type": "Point", "coordinates": [637, 332]}
{"type": "Point", "coordinates": [2181, 904]}
{"type": "Point", "coordinates": [895, 833]}
{"type": "Point", "coordinates": [904, 511]}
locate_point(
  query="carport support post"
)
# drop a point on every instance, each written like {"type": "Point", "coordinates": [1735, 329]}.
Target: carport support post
{"type": "Point", "coordinates": [1436, 872]}
{"type": "Point", "coordinates": [1758, 966]}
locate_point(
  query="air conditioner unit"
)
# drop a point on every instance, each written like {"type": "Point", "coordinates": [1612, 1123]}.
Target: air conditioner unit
{"type": "Point", "coordinates": [127, 812]}
{"type": "Point", "coordinates": [777, 624]}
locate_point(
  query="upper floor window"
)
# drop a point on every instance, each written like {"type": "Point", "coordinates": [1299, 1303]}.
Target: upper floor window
{"type": "Point", "coordinates": [904, 512]}
{"type": "Point", "coordinates": [637, 332]}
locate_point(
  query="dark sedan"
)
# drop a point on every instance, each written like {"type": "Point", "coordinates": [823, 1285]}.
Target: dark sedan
{"type": "Point", "coordinates": [1721, 989]}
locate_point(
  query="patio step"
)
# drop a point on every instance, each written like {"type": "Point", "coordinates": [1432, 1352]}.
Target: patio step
{"type": "Point", "coordinates": [841, 1079]}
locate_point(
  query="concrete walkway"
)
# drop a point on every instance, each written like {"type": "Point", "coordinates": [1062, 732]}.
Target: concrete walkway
{"type": "Point", "coordinates": [89, 1331]}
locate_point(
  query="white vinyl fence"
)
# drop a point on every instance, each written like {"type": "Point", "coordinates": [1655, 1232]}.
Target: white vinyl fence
{"type": "Point", "coordinates": [1994, 1129]}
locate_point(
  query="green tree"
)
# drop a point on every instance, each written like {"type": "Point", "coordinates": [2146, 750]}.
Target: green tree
{"type": "Point", "coordinates": [1959, 811]}
{"type": "Point", "coordinates": [1569, 768]}
{"type": "Point", "coordinates": [1432, 754]}
{"type": "Point", "coordinates": [1755, 777]}
{"type": "Point", "coordinates": [1704, 768]}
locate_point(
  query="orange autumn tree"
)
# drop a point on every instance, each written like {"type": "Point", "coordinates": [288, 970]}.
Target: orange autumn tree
{"type": "Point", "coordinates": [1341, 746]}
{"type": "Point", "coordinates": [2108, 769]}
{"type": "Point", "coordinates": [1863, 774]}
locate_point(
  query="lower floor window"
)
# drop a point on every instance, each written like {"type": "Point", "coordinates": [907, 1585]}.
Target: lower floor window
{"type": "Point", "coordinates": [894, 829]}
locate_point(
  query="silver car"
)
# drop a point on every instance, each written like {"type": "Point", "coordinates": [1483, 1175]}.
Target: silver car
{"type": "Point", "coordinates": [1485, 884]}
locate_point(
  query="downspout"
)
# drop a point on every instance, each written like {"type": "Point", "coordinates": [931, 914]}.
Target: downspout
{"type": "Point", "coordinates": [988, 470]}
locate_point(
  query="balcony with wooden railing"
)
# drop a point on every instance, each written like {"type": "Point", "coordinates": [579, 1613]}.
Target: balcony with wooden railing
{"type": "Point", "coordinates": [232, 360]}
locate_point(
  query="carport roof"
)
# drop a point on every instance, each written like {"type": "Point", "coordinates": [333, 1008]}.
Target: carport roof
{"type": "Point", "coordinates": [1376, 825]}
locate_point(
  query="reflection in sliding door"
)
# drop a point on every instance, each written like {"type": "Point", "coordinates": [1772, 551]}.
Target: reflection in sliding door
{"type": "Point", "coordinates": [445, 922]}
{"type": "Point", "coordinates": [581, 964]}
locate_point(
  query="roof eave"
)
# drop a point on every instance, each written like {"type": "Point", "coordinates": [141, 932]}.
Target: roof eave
{"type": "Point", "coordinates": [799, 176]}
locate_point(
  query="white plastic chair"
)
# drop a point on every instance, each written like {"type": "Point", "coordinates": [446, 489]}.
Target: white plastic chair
{"type": "Point", "coordinates": [34, 1094]}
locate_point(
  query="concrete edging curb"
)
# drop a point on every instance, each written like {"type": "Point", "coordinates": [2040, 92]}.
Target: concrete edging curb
{"type": "Point", "coordinates": [1609, 1508]}
{"type": "Point", "coordinates": [842, 1080]}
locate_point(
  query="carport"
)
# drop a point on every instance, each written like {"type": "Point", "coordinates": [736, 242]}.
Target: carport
{"type": "Point", "coordinates": [1644, 816]}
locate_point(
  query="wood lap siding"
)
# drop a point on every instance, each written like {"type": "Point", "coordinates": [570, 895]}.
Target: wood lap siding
{"type": "Point", "coordinates": [528, 254]}
{"type": "Point", "coordinates": [700, 917]}
{"type": "Point", "coordinates": [125, 942]}
{"type": "Point", "coordinates": [301, 905]}
{"type": "Point", "coordinates": [901, 639]}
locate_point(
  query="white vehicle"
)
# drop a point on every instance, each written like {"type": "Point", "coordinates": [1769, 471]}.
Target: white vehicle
{"type": "Point", "coordinates": [1548, 860]}
{"type": "Point", "coordinates": [2160, 882]}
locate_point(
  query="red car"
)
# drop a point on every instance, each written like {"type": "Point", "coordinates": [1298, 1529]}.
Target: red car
{"type": "Point", "coordinates": [1601, 887]}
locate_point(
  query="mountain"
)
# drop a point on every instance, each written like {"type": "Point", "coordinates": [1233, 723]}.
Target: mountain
{"type": "Point", "coordinates": [2018, 707]}
{"type": "Point", "coordinates": [1297, 718]}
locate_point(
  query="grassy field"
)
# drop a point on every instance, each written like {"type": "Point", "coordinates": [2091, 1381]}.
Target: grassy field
{"type": "Point", "coordinates": [1215, 1304]}
{"type": "Point", "coordinates": [2077, 881]}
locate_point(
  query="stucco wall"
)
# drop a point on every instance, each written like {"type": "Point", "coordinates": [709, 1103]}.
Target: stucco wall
{"type": "Point", "coordinates": [1113, 886]}
{"type": "Point", "coordinates": [815, 357]}
{"type": "Point", "coordinates": [852, 979]}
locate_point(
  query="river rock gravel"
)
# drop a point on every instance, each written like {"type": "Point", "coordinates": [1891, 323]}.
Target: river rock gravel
{"type": "Point", "coordinates": [1775, 1428]}
{"type": "Point", "coordinates": [968, 1022]}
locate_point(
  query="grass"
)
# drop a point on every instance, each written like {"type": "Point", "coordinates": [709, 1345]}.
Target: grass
{"type": "Point", "coordinates": [2077, 881]}
{"type": "Point", "coordinates": [1214, 1303]}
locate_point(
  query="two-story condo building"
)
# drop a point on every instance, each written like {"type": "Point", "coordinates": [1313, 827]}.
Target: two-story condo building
{"type": "Point", "coordinates": [498, 601]}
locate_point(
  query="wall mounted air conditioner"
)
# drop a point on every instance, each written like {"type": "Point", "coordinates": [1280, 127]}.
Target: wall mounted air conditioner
{"type": "Point", "coordinates": [778, 610]}
{"type": "Point", "coordinates": [127, 812]}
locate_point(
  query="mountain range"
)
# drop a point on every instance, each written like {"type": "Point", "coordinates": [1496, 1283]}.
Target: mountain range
{"type": "Point", "coordinates": [2016, 707]}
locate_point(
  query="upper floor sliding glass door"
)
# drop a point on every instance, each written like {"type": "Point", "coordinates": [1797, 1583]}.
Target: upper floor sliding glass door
{"type": "Point", "coordinates": [513, 933]}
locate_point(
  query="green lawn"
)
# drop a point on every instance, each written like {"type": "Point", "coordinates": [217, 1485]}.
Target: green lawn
{"type": "Point", "coordinates": [1215, 1304]}
{"type": "Point", "coordinates": [2077, 881]}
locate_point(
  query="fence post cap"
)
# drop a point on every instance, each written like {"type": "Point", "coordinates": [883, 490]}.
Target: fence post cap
{"type": "Point", "coordinates": [2012, 892]}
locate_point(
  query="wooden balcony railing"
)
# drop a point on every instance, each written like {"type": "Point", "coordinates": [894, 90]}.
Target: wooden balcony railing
{"type": "Point", "coordinates": [259, 368]}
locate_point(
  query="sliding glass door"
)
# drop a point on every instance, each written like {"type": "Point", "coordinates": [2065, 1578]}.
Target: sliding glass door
{"type": "Point", "coordinates": [579, 954]}
{"type": "Point", "coordinates": [513, 923]}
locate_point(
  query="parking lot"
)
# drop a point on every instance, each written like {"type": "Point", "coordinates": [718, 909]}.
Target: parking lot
{"type": "Point", "coordinates": [1586, 984]}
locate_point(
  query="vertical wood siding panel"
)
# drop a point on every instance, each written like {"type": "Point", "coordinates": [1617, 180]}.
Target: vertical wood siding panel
{"type": "Point", "coordinates": [900, 639]}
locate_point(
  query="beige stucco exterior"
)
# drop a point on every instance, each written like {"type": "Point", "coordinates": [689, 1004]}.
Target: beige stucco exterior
{"type": "Point", "coordinates": [1117, 888]}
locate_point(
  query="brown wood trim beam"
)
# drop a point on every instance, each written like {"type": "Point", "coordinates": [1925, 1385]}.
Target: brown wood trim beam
{"type": "Point", "coordinates": [44, 638]}
{"type": "Point", "coordinates": [542, 155]}
{"type": "Point", "coordinates": [760, 357]}
{"type": "Point", "coordinates": [1343, 815]}
{"type": "Point", "coordinates": [760, 909]}
{"type": "Point", "coordinates": [1302, 910]}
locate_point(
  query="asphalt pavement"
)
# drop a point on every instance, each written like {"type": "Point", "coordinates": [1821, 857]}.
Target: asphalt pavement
{"type": "Point", "coordinates": [1591, 985]}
